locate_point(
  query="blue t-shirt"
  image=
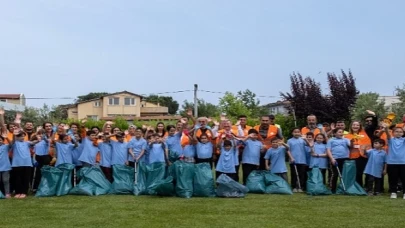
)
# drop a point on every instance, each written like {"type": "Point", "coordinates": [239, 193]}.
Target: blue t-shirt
{"type": "Point", "coordinates": [42, 148]}
{"type": "Point", "coordinates": [375, 163]}
{"type": "Point", "coordinates": [64, 153]}
{"type": "Point", "coordinates": [156, 153]}
{"type": "Point", "coordinates": [204, 150]}
{"type": "Point", "coordinates": [189, 151]}
{"type": "Point", "coordinates": [119, 152]}
{"type": "Point", "coordinates": [396, 151]}
{"type": "Point", "coordinates": [320, 162]}
{"type": "Point", "coordinates": [226, 162]}
{"type": "Point", "coordinates": [298, 150]}
{"type": "Point", "coordinates": [4, 159]}
{"type": "Point", "coordinates": [76, 155]}
{"type": "Point", "coordinates": [21, 154]}
{"type": "Point", "coordinates": [88, 152]}
{"type": "Point", "coordinates": [105, 154]}
{"type": "Point", "coordinates": [174, 143]}
{"type": "Point", "coordinates": [137, 146]}
{"type": "Point", "coordinates": [339, 147]}
{"type": "Point", "coordinates": [251, 152]}
{"type": "Point", "coordinates": [277, 159]}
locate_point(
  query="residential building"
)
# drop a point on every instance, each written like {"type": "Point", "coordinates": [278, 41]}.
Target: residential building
{"type": "Point", "coordinates": [278, 107]}
{"type": "Point", "coordinates": [14, 102]}
{"type": "Point", "coordinates": [125, 104]}
{"type": "Point", "coordinates": [390, 101]}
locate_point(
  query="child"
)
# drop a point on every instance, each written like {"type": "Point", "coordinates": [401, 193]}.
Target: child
{"type": "Point", "coordinates": [120, 150]}
{"type": "Point", "coordinates": [137, 146]}
{"type": "Point", "coordinates": [275, 158]}
{"type": "Point", "coordinates": [310, 138]}
{"type": "Point", "coordinates": [319, 157]}
{"type": "Point", "coordinates": [105, 149]}
{"type": "Point", "coordinates": [189, 150]}
{"type": "Point", "coordinates": [158, 151]}
{"type": "Point", "coordinates": [298, 159]}
{"type": "Point", "coordinates": [227, 160]}
{"type": "Point", "coordinates": [338, 152]}
{"type": "Point", "coordinates": [42, 156]}
{"type": "Point", "coordinates": [5, 166]}
{"type": "Point", "coordinates": [22, 163]}
{"type": "Point", "coordinates": [173, 140]}
{"type": "Point", "coordinates": [88, 151]}
{"type": "Point", "coordinates": [204, 149]}
{"type": "Point", "coordinates": [395, 159]}
{"type": "Point", "coordinates": [64, 150]}
{"type": "Point", "coordinates": [376, 166]}
{"type": "Point", "coordinates": [251, 153]}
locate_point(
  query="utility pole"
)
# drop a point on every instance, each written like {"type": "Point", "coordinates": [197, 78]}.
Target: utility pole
{"type": "Point", "coordinates": [195, 101]}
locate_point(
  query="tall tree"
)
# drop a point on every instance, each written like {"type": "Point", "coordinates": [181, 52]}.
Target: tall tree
{"type": "Point", "coordinates": [399, 108]}
{"type": "Point", "coordinates": [250, 100]}
{"type": "Point", "coordinates": [233, 106]}
{"type": "Point", "coordinates": [166, 101]}
{"type": "Point", "coordinates": [204, 108]}
{"type": "Point", "coordinates": [368, 101]}
{"type": "Point", "coordinates": [90, 96]}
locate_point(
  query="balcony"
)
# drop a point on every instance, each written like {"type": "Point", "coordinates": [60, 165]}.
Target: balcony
{"type": "Point", "coordinates": [154, 111]}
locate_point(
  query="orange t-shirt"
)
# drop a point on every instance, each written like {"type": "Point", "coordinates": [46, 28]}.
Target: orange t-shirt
{"type": "Point", "coordinates": [360, 139]}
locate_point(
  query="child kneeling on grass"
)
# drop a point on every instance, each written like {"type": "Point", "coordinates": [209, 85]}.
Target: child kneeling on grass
{"type": "Point", "coordinates": [275, 158]}
{"type": "Point", "coordinates": [376, 166]}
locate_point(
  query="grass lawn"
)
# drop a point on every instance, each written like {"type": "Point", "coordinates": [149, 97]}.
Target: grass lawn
{"type": "Point", "coordinates": [298, 210]}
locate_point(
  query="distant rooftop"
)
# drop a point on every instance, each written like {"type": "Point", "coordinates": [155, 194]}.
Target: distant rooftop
{"type": "Point", "coordinates": [12, 107]}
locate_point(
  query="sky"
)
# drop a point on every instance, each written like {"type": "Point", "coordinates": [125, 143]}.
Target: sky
{"type": "Point", "coordinates": [67, 48]}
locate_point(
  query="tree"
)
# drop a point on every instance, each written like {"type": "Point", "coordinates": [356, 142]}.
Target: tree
{"type": "Point", "coordinates": [399, 108]}
{"type": "Point", "coordinates": [59, 112]}
{"type": "Point", "coordinates": [252, 103]}
{"type": "Point", "coordinates": [368, 101]}
{"type": "Point", "coordinates": [90, 96]}
{"type": "Point", "coordinates": [232, 106]}
{"type": "Point", "coordinates": [204, 108]}
{"type": "Point", "coordinates": [166, 101]}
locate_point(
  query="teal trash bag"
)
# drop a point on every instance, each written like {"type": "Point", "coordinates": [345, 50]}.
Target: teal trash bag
{"type": "Point", "coordinates": [65, 182]}
{"type": "Point", "coordinates": [92, 183]}
{"type": "Point", "coordinates": [173, 157]}
{"type": "Point", "coordinates": [164, 187]}
{"type": "Point", "coordinates": [49, 181]}
{"type": "Point", "coordinates": [2, 196]}
{"type": "Point", "coordinates": [351, 187]}
{"type": "Point", "coordinates": [184, 181]}
{"type": "Point", "coordinates": [154, 172]}
{"type": "Point", "coordinates": [315, 186]}
{"type": "Point", "coordinates": [123, 179]}
{"type": "Point", "coordinates": [276, 185]}
{"type": "Point", "coordinates": [255, 181]}
{"type": "Point", "coordinates": [140, 182]}
{"type": "Point", "coordinates": [229, 188]}
{"type": "Point", "coordinates": [203, 181]}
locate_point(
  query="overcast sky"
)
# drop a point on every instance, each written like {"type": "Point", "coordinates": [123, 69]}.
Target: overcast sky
{"type": "Point", "coordinates": [66, 48]}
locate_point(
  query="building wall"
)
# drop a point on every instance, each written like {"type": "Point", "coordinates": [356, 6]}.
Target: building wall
{"type": "Point", "coordinates": [121, 108]}
{"type": "Point", "coordinates": [389, 101]}
{"type": "Point", "coordinates": [89, 110]}
{"type": "Point", "coordinates": [278, 109]}
{"type": "Point", "coordinates": [72, 113]}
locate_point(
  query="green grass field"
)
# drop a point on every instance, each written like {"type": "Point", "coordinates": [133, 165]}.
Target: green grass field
{"type": "Point", "coordinates": [298, 210]}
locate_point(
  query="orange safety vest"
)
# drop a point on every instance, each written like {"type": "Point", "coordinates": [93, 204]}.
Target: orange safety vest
{"type": "Point", "coordinates": [199, 132]}
{"type": "Point", "coordinates": [360, 139]}
{"type": "Point", "coordinates": [305, 130]}
{"type": "Point", "coordinates": [271, 133]}
{"type": "Point", "coordinates": [245, 130]}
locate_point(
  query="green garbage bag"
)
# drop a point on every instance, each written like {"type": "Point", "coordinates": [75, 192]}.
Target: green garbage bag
{"type": "Point", "coordinates": [173, 157]}
{"type": "Point", "coordinates": [165, 187]}
{"type": "Point", "coordinates": [315, 184]}
{"type": "Point", "coordinates": [351, 187]}
{"type": "Point", "coordinates": [154, 173]}
{"type": "Point", "coordinates": [49, 181]}
{"type": "Point", "coordinates": [65, 182]}
{"type": "Point", "coordinates": [93, 182]}
{"type": "Point", "coordinates": [255, 181]}
{"type": "Point", "coordinates": [185, 176]}
{"type": "Point", "coordinates": [229, 188]}
{"type": "Point", "coordinates": [276, 185]}
{"type": "Point", "coordinates": [123, 179]}
{"type": "Point", "coordinates": [140, 183]}
{"type": "Point", "coordinates": [203, 181]}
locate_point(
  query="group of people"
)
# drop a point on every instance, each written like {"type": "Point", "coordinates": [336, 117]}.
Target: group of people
{"type": "Point", "coordinates": [377, 147]}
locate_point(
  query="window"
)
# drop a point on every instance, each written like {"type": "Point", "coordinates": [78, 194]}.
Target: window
{"type": "Point", "coordinates": [3, 100]}
{"type": "Point", "coordinates": [129, 101]}
{"type": "Point", "coordinates": [114, 101]}
{"type": "Point", "coordinates": [74, 112]}
{"type": "Point", "coordinates": [92, 117]}
{"type": "Point", "coordinates": [97, 104]}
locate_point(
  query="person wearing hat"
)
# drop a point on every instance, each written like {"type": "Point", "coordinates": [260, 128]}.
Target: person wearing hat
{"type": "Point", "coordinates": [371, 125]}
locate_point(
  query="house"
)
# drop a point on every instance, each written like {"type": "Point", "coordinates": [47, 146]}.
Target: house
{"type": "Point", "coordinates": [14, 102]}
{"type": "Point", "coordinates": [127, 105]}
{"type": "Point", "coordinates": [390, 101]}
{"type": "Point", "coordinates": [278, 107]}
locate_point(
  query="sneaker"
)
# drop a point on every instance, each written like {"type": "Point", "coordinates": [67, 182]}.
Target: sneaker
{"type": "Point", "coordinates": [8, 196]}
{"type": "Point", "coordinates": [404, 196]}
{"type": "Point", "coordinates": [22, 196]}
{"type": "Point", "coordinates": [295, 190]}
{"type": "Point", "coordinates": [370, 194]}
{"type": "Point", "coordinates": [393, 195]}
{"type": "Point", "coordinates": [300, 190]}
{"type": "Point", "coordinates": [17, 196]}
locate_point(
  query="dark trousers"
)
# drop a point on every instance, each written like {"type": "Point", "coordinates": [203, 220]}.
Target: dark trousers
{"type": "Point", "coordinates": [107, 173]}
{"type": "Point", "coordinates": [395, 172]}
{"type": "Point", "coordinates": [262, 165]}
{"type": "Point", "coordinates": [361, 163]}
{"type": "Point", "coordinates": [372, 180]}
{"type": "Point", "coordinates": [42, 160]}
{"type": "Point", "coordinates": [335, 174]}
{"type": "Point", "coordinates": [21, 177]}
{"type": "Point", "coordinates": [247, 169]}
{"type": "Point", "coordinates": [231, 175]}
{"type": "Point", "coordinates": [202, 160]}
{"type": "Point", "coordinates": [301, 169]}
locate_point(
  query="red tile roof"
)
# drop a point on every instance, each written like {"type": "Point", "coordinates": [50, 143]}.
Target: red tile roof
{"type": "Point", "coordinates": [9, 96]}
{"type": "Point", "coordinates": [128, 118]}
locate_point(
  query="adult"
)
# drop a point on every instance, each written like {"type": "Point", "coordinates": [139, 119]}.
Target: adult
{"type": "Point", "coordinates": [202, 128]}
{"type": "Point", "coordinates": [312, 126]}
{"type": "Point", "coordinates": [267, 132]}
{"type": "Point", "coordinates": [371, 125]}
{"type": "Point", "coordinates": [29, 130]}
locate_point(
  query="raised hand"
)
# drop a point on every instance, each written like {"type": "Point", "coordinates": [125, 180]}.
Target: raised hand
{"type": "Point", "coordinates": [1, 111]}
{"type": "Point", "coordinates": [237, 123]}
{"type": "Point", "coordinates": [370, 112]}
{"type": "Point", "coordinates": [209, 120]}
{"type": "Point", "coordinates": [18, 116]}
{"type": "Point", "coordinates": [126, 132]}
{"type": "Point", "coordinates": [332, 126]}
{"type": "Point", "coordinates": [66, 127]}
{"type": "Point", "coordinates": [223, 117]}
{"type": "Point", "coordinates": [216, 123]}
{"type": "Point", "coordinates": [183, 121]}
{"type": "Point", "coordinates": [189, 112]}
